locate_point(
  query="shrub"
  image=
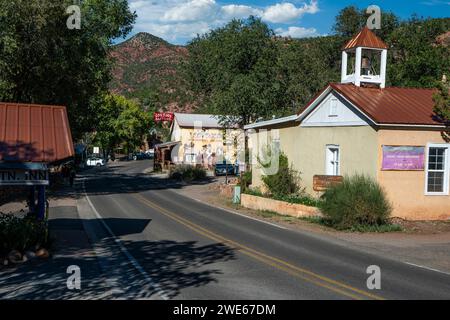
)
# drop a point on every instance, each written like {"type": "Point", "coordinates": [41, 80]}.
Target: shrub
{"type": "Point", "coordinates": [188, 173]}
{"type": "Point", "coordinates": [358, 201]}
{"type": "Point", "coordinates": [246, 180]}
{"type": "Point", "coordinates": [285, 181]}
{"type": "Point", "coordinates": [21, 233]}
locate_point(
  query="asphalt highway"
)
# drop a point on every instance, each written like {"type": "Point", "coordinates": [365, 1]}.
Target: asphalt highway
{"type": "Point", "coordinates": [162, 245]}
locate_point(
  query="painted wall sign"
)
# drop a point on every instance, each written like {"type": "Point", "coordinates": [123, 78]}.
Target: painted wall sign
{"type": "Point", "coordinates": [163, 116]}
{"type": "Point", "coordinates": [24, 178]}
{"type": "Point", "coordinates": [403, 158]}
{"type": "Point", "coordinates": [323, 182]}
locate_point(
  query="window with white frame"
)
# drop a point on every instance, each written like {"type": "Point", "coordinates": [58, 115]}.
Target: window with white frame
{"type": "Point", "coordinates": [332, 160]}
{"type": "Point", "coordinates": [437, 170]}
{"type": "Point", "coordinates": [333, 107]}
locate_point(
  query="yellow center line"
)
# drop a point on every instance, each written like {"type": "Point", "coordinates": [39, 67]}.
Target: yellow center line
{"type": "Point", "coordinates": [302, 273]}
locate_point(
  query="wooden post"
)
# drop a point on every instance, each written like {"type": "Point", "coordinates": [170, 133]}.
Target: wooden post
{"type": "Point", "coordinates": [41, 203]}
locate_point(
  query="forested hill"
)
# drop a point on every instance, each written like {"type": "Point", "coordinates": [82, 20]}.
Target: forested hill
{"type": "Point", "coordinates": [147, 67]}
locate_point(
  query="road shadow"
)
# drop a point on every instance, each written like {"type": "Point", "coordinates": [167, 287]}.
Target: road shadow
{"type": "Point", "coordinates": [171, 265]}
{"type": "Point", "coordinates": [112, 180]}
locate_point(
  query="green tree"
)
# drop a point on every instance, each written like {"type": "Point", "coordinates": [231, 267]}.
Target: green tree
{"type": "Point", "coordinates": [351, 20]}
{"type": "Point", "coordinates": [42, 61]}
{"type": "Point", "coordinates": [233, 70]}
{"type": "Point", "coordinates": [307, 66]}
{"type": "Point", "coordinates": [415, 60]}
{"type": "Point", "coordinates": [121, 121]}
{"type": "Point", "coordinates": [442, 107]}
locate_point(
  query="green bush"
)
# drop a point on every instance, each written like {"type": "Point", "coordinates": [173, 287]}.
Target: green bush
{"type": "Point", "coordinates": [358, 201]}
{"type": "Point", "coordinates": [246, 180]}
{"type": "Point", "coordinates": [286, 181]}
{"type": "Point", "coordinates": [188, 173]}
{"type": "Point", "coordinates": [21, 233]}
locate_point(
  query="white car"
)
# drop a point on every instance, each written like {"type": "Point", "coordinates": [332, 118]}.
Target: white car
{"type": "Point", "coordinates": [95, 162]}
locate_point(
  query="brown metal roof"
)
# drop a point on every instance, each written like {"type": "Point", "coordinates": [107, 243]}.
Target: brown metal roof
{"type": "Point", "coordinates": [34, 133]}
{"type": "Point", "coordinates": [365, 38]}
{"type": "Point", "coordinates": [392, 105]}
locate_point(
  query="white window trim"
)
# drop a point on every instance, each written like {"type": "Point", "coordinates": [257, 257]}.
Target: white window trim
{"type": "Point", "coordinates": [327, 148]}
{"type": "Point", "coordinates": [446, 172]}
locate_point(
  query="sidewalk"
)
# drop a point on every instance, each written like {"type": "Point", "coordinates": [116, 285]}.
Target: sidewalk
{"type": "Point", "coordinates": [430, 250]}
{"type": "Point", "coordinates": [47, 279]}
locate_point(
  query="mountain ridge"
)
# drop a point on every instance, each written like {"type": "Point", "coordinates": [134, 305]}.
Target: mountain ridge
{"type": "Point", "coordinates": [146, 68]}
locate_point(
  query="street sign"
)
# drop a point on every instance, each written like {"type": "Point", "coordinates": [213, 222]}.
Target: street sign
{"type": "Point", "coordinates": [19, 177]}
{"type": "Point", "coordinates": [163, 116]}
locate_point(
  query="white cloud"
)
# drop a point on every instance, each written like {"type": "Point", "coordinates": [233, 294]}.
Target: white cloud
{"type": "Point", "coordinates": [297, 32]}
{"type": "Point", "coordinates": [180, 20]}
{"type": "Point", "coordinates": [288, 12]}
{"type": "Point", "coordinates": [193, 10]}
{"type": "Point", "coordinates": [239, 11]}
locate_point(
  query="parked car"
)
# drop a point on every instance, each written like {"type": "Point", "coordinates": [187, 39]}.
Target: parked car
{"type": "Point", "coordinates": [224, 168]}
{"type": "Point", "coordinates": [137, 156]}
{"type": "Point", "coordinates": [95, 162]}
{"type": "Point", "coordinates": [150, 154]}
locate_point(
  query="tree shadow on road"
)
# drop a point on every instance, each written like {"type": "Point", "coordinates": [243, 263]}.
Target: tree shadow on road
{"type": "Point", "coordinates": [169, 266]}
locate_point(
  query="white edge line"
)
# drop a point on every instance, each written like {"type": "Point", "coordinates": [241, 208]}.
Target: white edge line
{"type": "Point", "coordinates": [427, 268]}
{"type": "Point", "coordinates": [133, 261]}
{"type": "Point", "coordinates": [237, 213]}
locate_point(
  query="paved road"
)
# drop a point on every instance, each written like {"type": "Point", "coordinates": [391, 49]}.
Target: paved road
{"type": "Point", "coordinates": [167, 246]}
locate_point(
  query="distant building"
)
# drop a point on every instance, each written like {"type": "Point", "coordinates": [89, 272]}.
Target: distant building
{"type": "Point", "coordinates": [360, 126]}
{"type": "Point", "coordinates": [203, 140]}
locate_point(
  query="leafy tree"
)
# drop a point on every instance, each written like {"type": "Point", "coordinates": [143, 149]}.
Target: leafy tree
{"type": "Point", "coordinates": [42, 61]}
{"type": "Point", "coordinates": [349, 21]}
{"type": "Point", "coordinates": [120, 121]}
{"type": "Point", "coordinates": [442, 107]}
{"type": "Point", "coordinates": [307, 66]}
{"type": "Point", "coordinates": [234, 70]}
{"type": "Point", "coordinates": [415, 60]}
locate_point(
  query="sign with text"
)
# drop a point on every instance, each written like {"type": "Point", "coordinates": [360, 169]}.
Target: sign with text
{"type": "Point", "coordinates": [323, 182]}
{"type": "Point", "coordinates": [403, 158]}
{"type": "Point", "coordinates": [24, 178]}
{"type": "Point", "coordinates": [163, 116]}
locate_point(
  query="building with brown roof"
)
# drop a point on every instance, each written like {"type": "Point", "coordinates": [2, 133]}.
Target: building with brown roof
{"type": "Point", "coordinates": [32, 137]}
{"type": "Point", "coordinates": [359, 126]}
{"type": "Point", "coordinates": [34, 133]}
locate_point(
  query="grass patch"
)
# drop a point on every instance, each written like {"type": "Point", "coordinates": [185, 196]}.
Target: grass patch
{"type": "Point", "coordinates": [383, 228]}
{"type": "Point", "coordinates": [294, 199]}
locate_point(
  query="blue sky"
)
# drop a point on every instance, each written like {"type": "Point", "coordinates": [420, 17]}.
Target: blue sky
{"type": "Point", "coordinates": [178, 21]}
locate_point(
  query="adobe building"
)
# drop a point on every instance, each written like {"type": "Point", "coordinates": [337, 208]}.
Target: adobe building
{"type": "Point", "coordinates": [202, 140]}
{"type": "Point", "coordinates": [361, 126]}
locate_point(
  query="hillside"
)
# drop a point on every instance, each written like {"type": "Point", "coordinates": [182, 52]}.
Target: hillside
{"type": "Point", "coordinates": [146, 67]}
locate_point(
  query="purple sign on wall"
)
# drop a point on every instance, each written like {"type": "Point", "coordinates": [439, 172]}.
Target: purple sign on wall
{"type": "Point", "coordinates": [403, 158]}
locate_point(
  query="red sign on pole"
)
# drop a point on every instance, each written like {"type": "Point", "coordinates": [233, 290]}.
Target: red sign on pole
{"type": "Point", "coordinates": [163, 116]}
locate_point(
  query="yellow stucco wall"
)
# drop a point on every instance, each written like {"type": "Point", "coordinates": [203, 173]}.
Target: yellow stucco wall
{"type": "Point", "coordinates": [361, 152]}
{"type": "Point", "coordinates": [406, 189]}
{"type": "Point", "coordinates": [306, 150]}
{"type": "Point", "coordinates": [211, 137]}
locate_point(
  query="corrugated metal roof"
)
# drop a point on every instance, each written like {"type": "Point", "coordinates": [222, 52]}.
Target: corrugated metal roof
{"type": "Point", "coordinates": [392, 105]}
{"type": "Point", "coordinates": [190, 119]}
{"type": "Point", "coordinates": [34, 133]}
{"type": "Point", "coordinates": [365, 38]}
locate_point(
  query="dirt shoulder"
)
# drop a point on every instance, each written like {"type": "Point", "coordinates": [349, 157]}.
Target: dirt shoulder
{"type": "Point", "coordinates": [424, 243]}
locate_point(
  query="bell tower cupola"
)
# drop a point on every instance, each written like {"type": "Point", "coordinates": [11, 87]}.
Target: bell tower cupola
{"type": "Point", "coordinates": [364, 60]}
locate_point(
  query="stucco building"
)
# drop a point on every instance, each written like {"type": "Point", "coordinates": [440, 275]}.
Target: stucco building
{"type": "Point", "coordinates": [361, 126]}
{"type": "Point", "coordinates": [202, 139]}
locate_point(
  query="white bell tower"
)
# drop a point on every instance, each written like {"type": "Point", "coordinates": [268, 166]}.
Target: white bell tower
{"type": "Point", "coordinates": [364, 60]}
